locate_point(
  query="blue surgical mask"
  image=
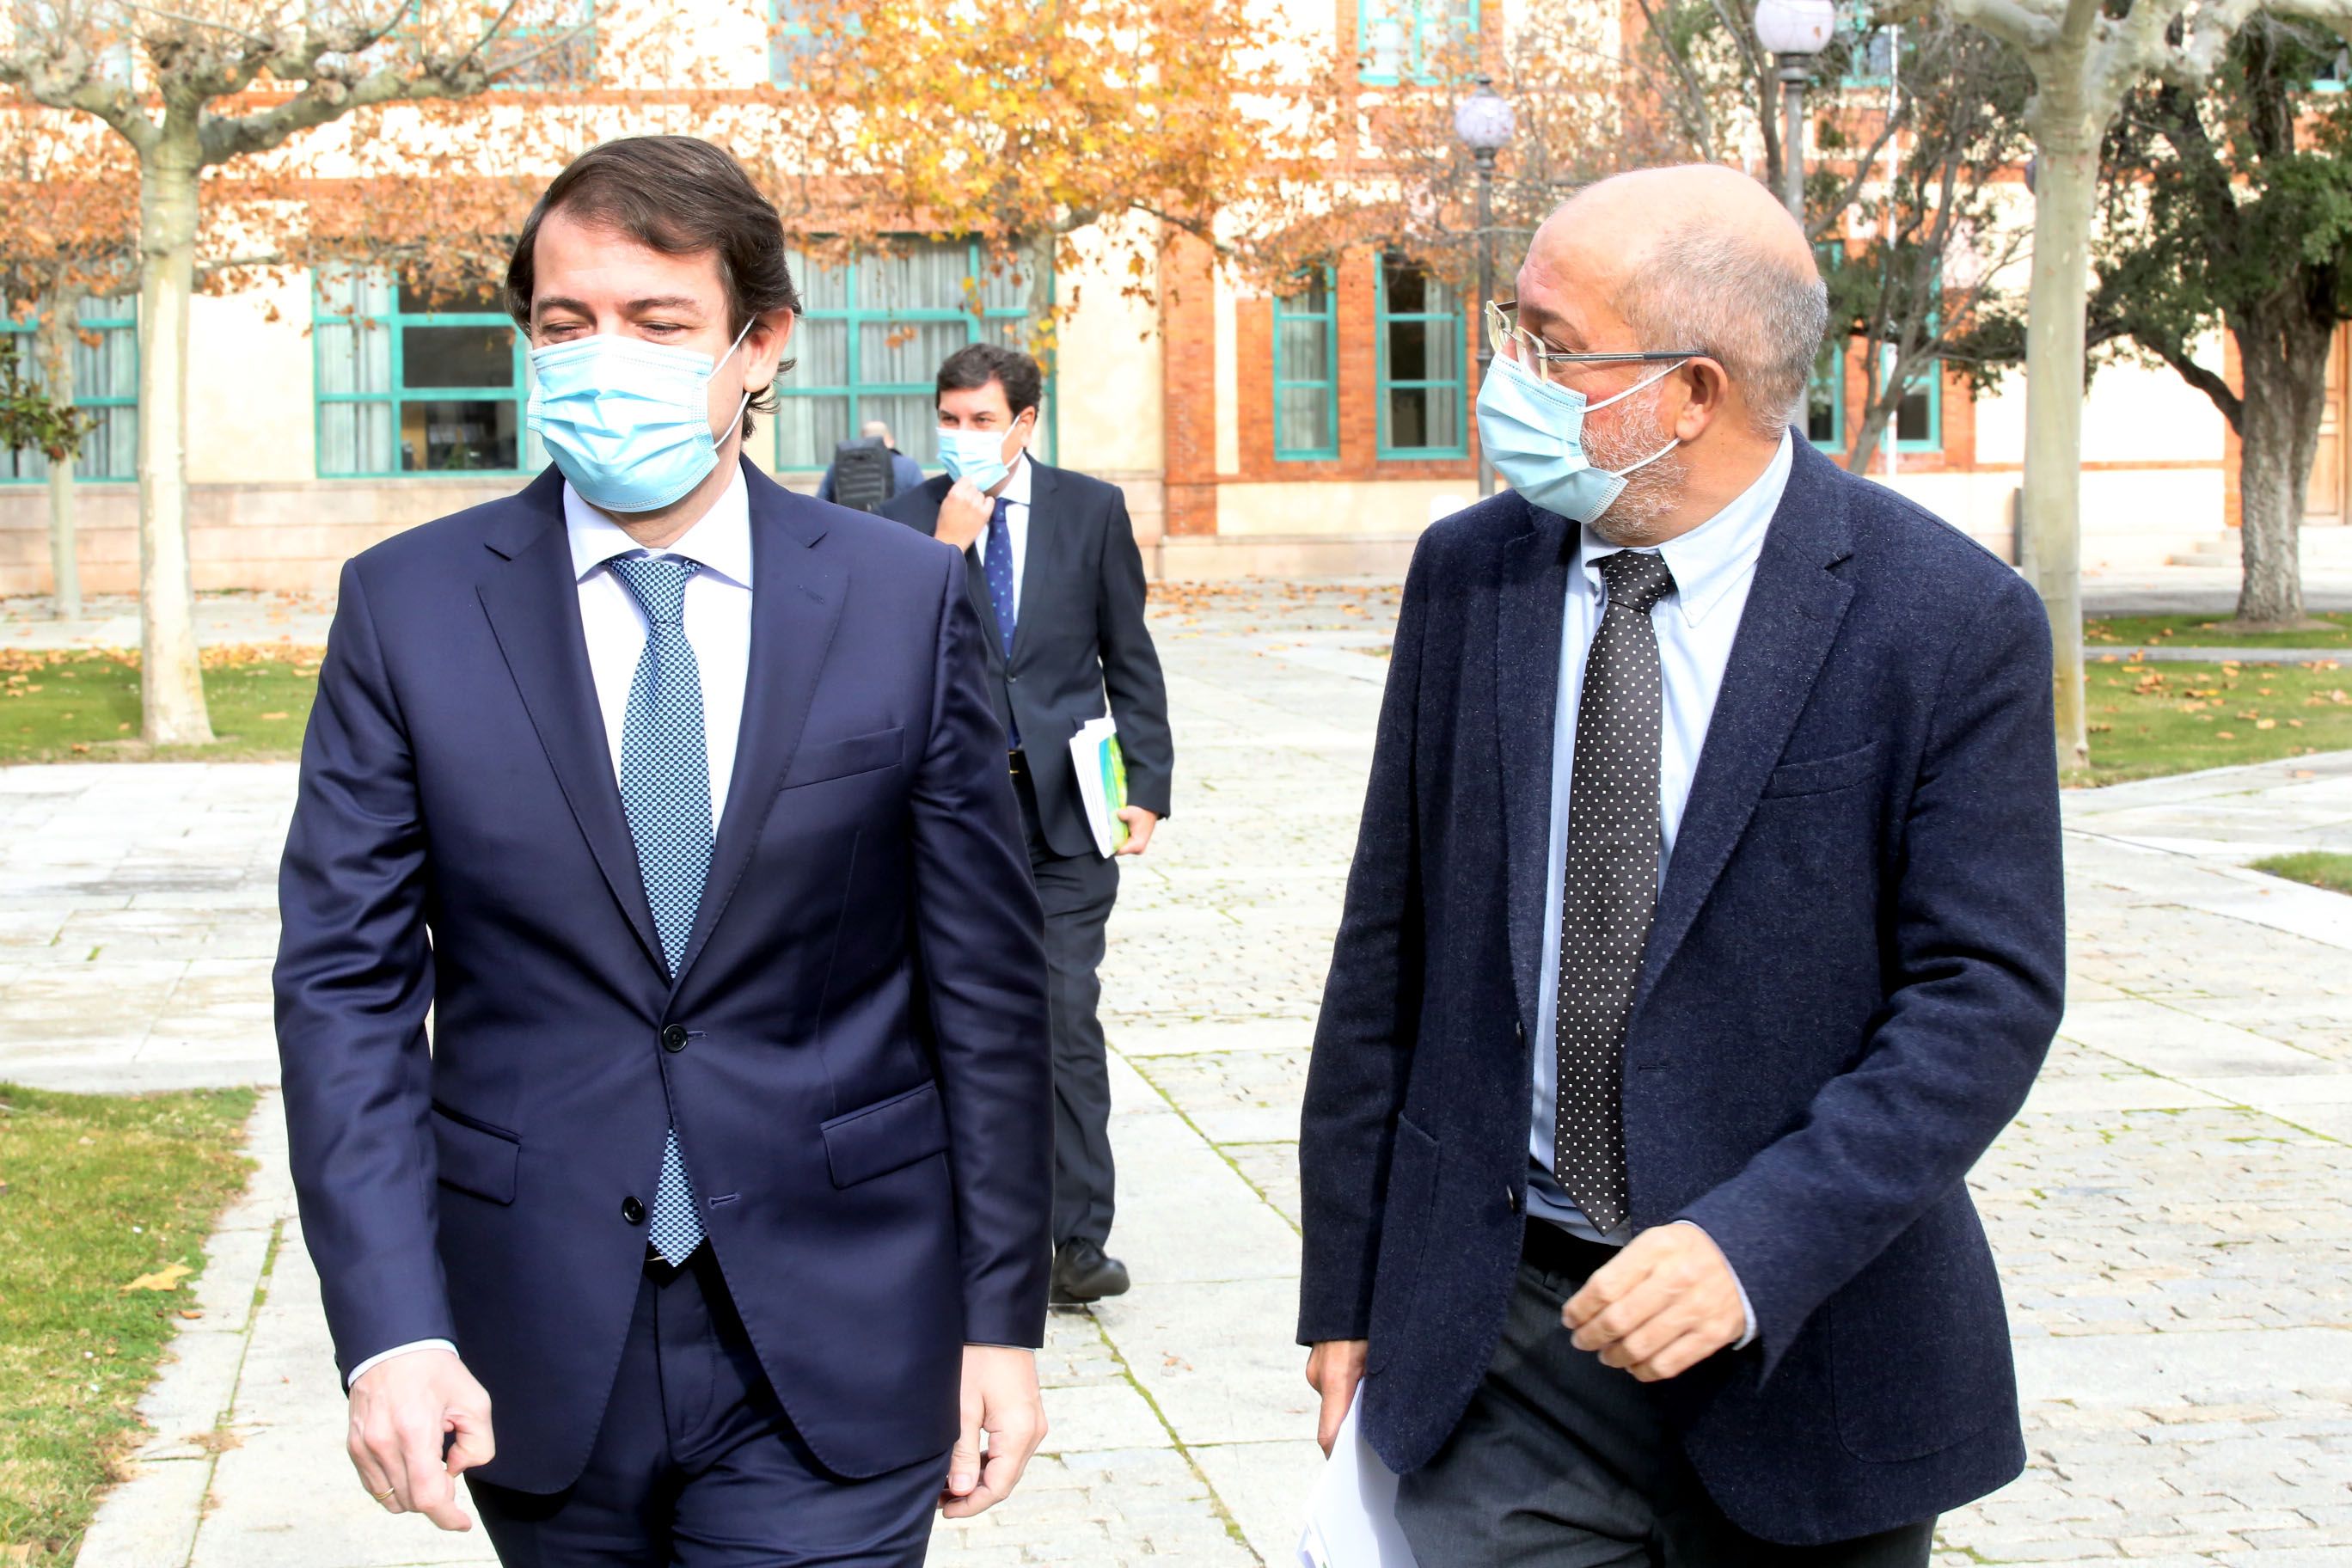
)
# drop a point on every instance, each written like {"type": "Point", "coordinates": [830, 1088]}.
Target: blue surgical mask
{"type": "Point", "coordinates": [974, 455]}
{"type": "Point", "coordinates": [628, 422]}
{"type": "Point", "coordinates": [1534, 435]}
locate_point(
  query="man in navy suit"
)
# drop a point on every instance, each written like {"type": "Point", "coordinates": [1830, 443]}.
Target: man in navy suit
{"type": "Point", "coordinates": [678, 802]}
{"type": "Point", "coordinates": [1703, 929]}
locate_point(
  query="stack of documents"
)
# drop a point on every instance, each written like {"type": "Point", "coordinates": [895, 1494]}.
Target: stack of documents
{"type": "Point", "coordinates": [1102, 782]}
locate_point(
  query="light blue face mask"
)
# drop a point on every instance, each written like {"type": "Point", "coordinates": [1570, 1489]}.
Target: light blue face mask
{"type": "Point", "coordinates": [1534, 435]}
{"type": "Point", "coordinates": [974, 455]}
{"type": "Point", "coordinates": [628, 422]}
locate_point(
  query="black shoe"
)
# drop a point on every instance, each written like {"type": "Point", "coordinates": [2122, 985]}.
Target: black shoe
{"type": "Point", "coordinates": [1082, 1274]}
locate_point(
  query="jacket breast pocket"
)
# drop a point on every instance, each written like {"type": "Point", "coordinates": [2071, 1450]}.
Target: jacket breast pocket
{"type": "Point", "coordinates": [841, 759]}
{"type": "Point", "coordinates": [889, 1136]}
{"type": "Point", "coordinates": [1820, 775]}
{"type": "Point", "coordinates": [474, 1158]}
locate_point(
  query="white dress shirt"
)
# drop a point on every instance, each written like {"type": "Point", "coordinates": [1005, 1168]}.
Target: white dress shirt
{"type": "Point", "coordinates": [1713, 565]}
{"type": "Point", "coordinates": [717, 623]}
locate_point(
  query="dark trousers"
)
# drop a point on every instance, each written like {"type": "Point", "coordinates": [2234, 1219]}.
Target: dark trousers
{"type": "Point", "coordinates": [1077, 892]}
{"type": "Point", "coordinates": [1562, 1462]}
{"type": "Point", "coordinates": [696, 1467]}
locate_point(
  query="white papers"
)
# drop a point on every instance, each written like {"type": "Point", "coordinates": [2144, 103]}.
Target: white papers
{"type": "Point", "coordinates": [1102, 782]}
{"type": "Point", "coordinates": [1351, 1513]}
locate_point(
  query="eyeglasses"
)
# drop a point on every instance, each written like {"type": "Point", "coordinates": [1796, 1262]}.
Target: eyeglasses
{"type": "Point", "coordinates": [1514, 342]}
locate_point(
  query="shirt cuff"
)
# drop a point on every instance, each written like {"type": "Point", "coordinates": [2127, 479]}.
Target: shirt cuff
{"type": "Point", "coordinates": [361, 1370]}
{"type": "Point", "coordinates": [1747, 1307]}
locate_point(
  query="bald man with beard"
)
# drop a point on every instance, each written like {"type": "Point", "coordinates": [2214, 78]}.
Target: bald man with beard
{"type": "Point", "coordinates": [1705, 929]}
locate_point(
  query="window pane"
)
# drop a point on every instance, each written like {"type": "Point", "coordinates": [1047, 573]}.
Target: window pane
{"type": "Point", "coordinates": [1383, 41]}
{"type": "Point", "coordinates": [457, 356]}
{"type": "Point", "coordinates": [1913, 420]}
{"type": "Point", "coordinates": [443, 435]}
{"type": "Point", "coordinates": [1305, 419]}
{"type": "Point", "coordinates": [1424, 351]}
{"type": "Point", "coordinates": [1303, 350]}
{"type": "Point", "coordinates": [1821, 394]}
{"type": "Point", "coordinates": [480, 300]}
{"type": "Point", "coordinates": [924, 277]}
{"type": "Point", "coordinates": [110, 451]}
{"type": "Point", "coordinates": [353, 356]}
{"type": "Point", "coordinates": [913, 419]}
{"type": "Point", "coordinates": [907, 351]}
{"type": "Point", "coordinates": [1405, 286]}
{"type": "Point", "coordinates": [807, 430]}
{"type": "Point", "coordinates": [1005, 290]}
{"type": "Point", "coordinates": [821, 287]}
{"type": "Point", "coordinates": [355, 438]}
{"type": "Point", "coordinates": [820, 351]}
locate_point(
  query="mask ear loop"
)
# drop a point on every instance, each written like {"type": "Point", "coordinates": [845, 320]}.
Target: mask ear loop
{"type": "Point", "coordinates": [745, 401]}
{"type": "Point", "coordinates": [1646, 381]}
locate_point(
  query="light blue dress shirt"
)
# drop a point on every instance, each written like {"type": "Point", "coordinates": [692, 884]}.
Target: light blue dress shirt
{"type": "Point", "coordinates": [1713, 565]}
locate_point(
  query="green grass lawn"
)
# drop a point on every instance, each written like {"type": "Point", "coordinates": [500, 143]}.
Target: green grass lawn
{"type": "Point", "coordinates": [84, 707]}
{"type": "Point", "coordinates": [2317, 867]}
{"type": "Point", "coordinates": [2149, 720]}
{"type": "Point", "coordinates": [96, 1191]}
{"type": "Point", "coordinates": [2191, 631]}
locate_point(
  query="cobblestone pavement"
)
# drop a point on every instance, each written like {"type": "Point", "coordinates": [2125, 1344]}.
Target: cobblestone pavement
{"type": "Point", "coordinates": [2168, 1209]}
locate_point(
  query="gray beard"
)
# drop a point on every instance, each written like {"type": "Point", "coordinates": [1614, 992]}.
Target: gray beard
{"type": "Point", "coordinates": [1652, 492]}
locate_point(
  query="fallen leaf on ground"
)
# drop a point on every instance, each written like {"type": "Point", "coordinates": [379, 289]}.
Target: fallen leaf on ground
{"type": "Point", "coordinates": [276, 715]}
{"type": "Point", "coordinates": [167, 1277]}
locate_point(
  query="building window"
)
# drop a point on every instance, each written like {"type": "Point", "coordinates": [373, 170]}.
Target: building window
{"type": "Point", "coordinates": [871, 336]}
{"type": "Point", "coordinates": [791, 40]}
{"type": "Point", "coordinates": [407, 385]}
{"type": "Point", "coordinates": [1825, 397]}
{"type": "Point", "coordinates": [1408, 40]}
{"type": "Point", "coordinates": [1307, 370]}
{"type": "Point", "coordinates": [1919, 417]}
{"type": "Point", "coordinates": [548, 44]}
{"type": "Point", "coordinates": [106, 384]}
{"type": "Point", "coordinates": [1422, 384]}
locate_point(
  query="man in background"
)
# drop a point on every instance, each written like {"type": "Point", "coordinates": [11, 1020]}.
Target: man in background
{"type": "Point", "coordinates": [903, 472]}
{"type": "Point", "coordinates": [1058, 584]}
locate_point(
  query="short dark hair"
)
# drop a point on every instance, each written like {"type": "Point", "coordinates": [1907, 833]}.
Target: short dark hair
{"type": "Point", "coordinates": [974, 365]}
{"type": "Point", "coordinates": [681, 195]}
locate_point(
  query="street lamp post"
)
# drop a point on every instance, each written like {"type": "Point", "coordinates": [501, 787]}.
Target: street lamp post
{"type": "Point", "coordinates": [1794, 31]}
{"type": "Point", "coordinates": [1484, 122]}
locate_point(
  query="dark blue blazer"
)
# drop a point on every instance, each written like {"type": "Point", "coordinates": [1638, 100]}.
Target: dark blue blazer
{"type": "Point", "coordinates": [853, 1051]}
{"type": "Point", "coordinates": [1854, 972]}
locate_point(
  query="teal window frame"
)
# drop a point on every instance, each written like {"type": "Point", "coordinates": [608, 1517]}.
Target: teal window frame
{"type": "Point", "coordinates": [857, 390]}
{"type": "Point", "coordinates": [1930, 380]}
{"type": "Point", "coordinates": [1327, 383]}
{"type": "Point", "coordinates": [1425, 21]}
{"type": "Point", "coordinates": [517, 390]}
{"type": "Point", "coordinates": [1460, 381]}
{"type": "Point", "coordinates": [1829, 376]}
{"type": "Point", "coordinates": [122, 315]}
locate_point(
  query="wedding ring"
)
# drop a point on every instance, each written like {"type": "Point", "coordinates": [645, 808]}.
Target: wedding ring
{"type": "Point", "coordinates": [383, 1495]}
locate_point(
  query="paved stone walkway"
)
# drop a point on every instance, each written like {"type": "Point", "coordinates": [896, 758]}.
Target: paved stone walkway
{"type": "Point", "coordinates": [2168, 1209]}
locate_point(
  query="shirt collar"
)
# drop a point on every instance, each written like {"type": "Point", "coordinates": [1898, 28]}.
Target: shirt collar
{"type": "Point", "coordinates": [1709, 561]}
{"type": "Point", "coordinates": [719, 543]}
{"type": "Point", "coordinates": [1016, 488]}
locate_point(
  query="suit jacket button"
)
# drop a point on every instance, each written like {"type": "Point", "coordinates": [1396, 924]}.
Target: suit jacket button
{"type": "Point", "coordinates": [1511, 1198]}
{"type": "Point", "coordinates": [673, 1040]}
{"type": "Point", "coordinates": [633, 1211]}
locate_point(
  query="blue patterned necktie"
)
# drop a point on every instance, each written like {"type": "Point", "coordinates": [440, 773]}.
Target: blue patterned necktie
{"type": "Point", "coordinates": [996, 566]}
{"type": "Point", "coordinates": [665, 792]}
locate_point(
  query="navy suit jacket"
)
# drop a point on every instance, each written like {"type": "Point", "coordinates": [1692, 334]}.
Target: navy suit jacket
{"type": "Point", "coordinates": [1081, 639]}
{"type": "Point", "coordinates": [1854, 972]}
{"type": "Point", "coordinates": [853, 1051]}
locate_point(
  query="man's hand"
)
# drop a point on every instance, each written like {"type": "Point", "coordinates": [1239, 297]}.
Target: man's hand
{"type": "Point", "coordinates": [401, 1410]}
{"type": "Point", "coordinates": [1000, 1397]}
{"type": "Point", "coordinates": [1663, 1305]}
{"type": "Point", "coordinates": [1334, 1368]}
{"type": "Point", "coordinates": [964, 512]}
{"type": "Point", "coordinates": [1139, 824]}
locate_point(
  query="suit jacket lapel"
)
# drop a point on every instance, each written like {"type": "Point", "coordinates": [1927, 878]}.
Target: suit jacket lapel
{"type": "Point", "coordinates": [796, 600]}
{"type": "Point", "coordinates": [533, 605]}
{"type": "Point", "coordinates": [1794, 608]}
{"type": "Point", "coordinates": [1528, 607]}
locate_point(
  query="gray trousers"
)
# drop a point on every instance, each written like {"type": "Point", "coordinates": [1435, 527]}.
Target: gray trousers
{"type": "Point", "coordinates": [1562, 1462]}
{"type": "Point", "coordinates": [1077, 892]}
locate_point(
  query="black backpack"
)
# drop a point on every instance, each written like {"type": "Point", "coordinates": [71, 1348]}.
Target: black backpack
{"type": "Point", "coordinates": [862, 476]}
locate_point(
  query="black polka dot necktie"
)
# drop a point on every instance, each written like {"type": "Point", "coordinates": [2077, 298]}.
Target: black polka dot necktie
{"type": "Point", "coordinates": [1610, 892]}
